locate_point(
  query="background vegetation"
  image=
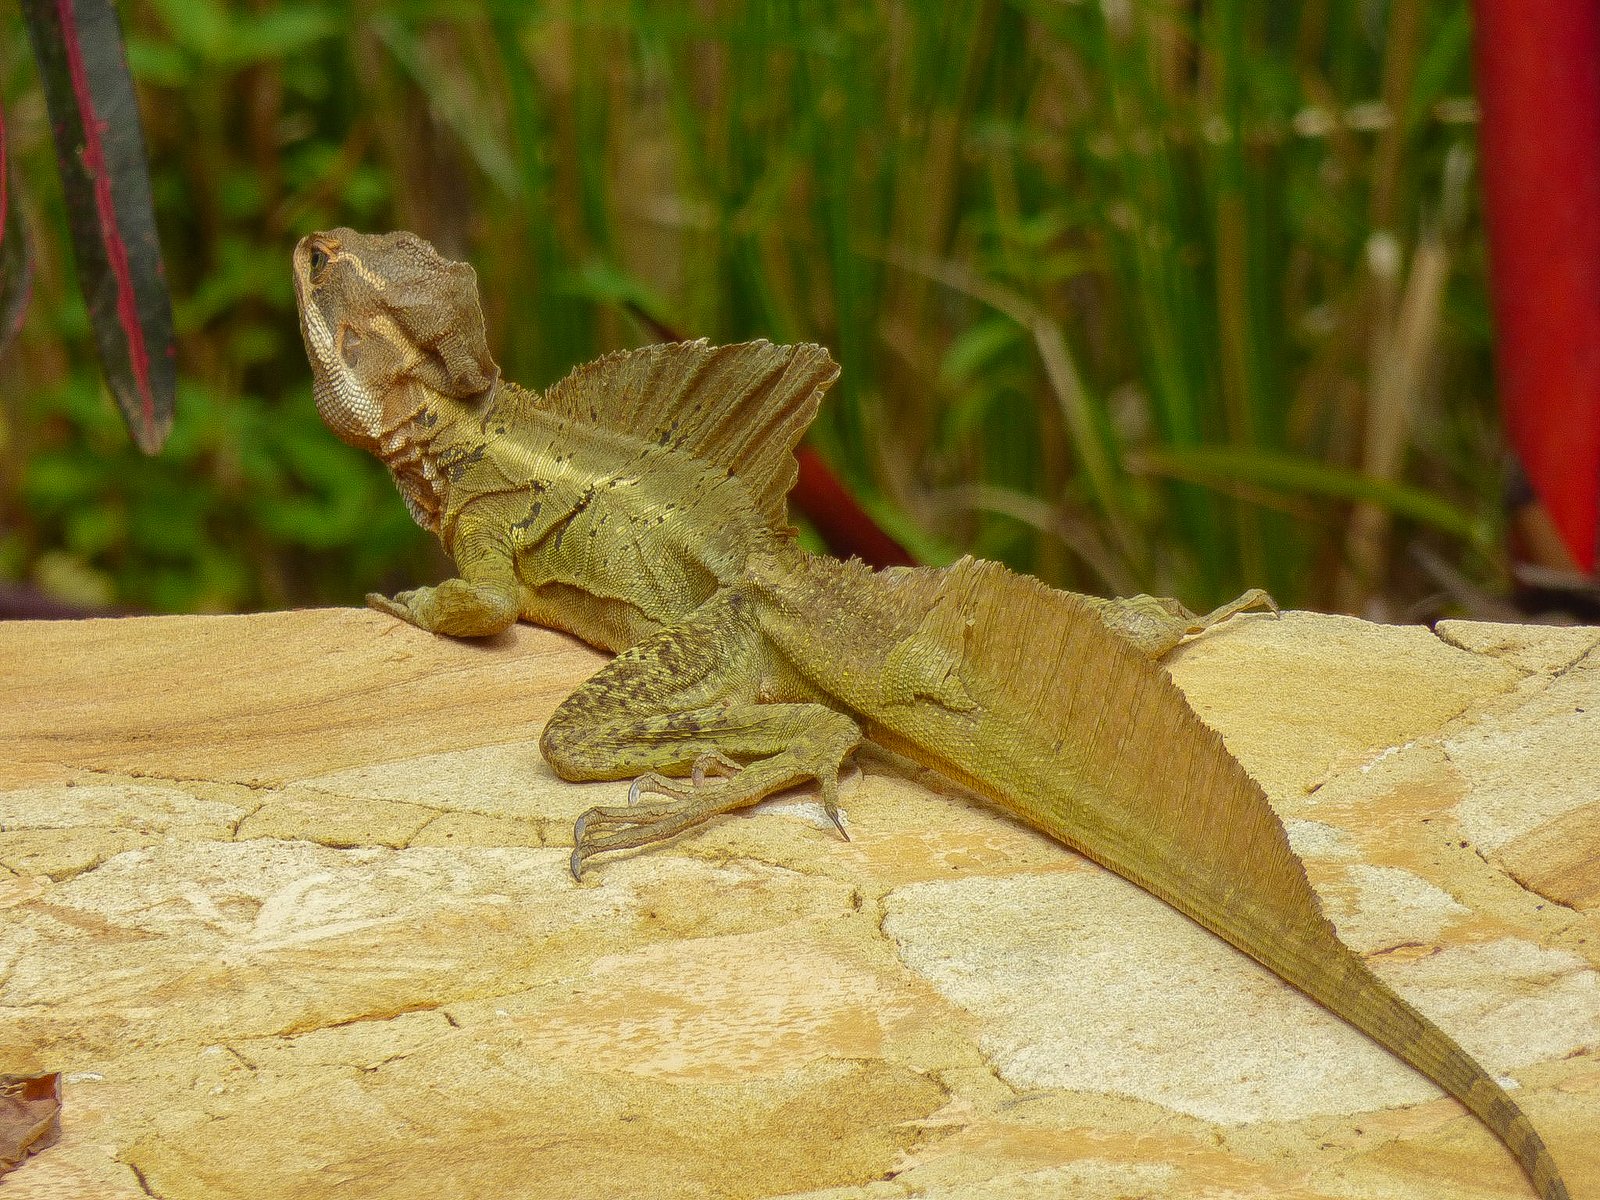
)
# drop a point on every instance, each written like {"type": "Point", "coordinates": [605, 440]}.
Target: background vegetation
{"type": "Point", "coordinates": [1166, 295]}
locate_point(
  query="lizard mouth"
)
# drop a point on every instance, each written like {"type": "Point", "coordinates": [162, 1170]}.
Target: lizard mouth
{"type": "Point", "coordinates": [342, 399]}
{"type": "Point", "coordinates": [312, 256]}
{"type": "Point", "coordinates": [304, 284]}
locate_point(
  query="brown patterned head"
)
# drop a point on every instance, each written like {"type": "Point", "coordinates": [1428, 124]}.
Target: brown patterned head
{"type": "Point", "coordinates": [382, 314]}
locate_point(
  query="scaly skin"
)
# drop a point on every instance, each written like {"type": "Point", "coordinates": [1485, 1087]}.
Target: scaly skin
{"type": "Point", "coordinates": [640, 505]}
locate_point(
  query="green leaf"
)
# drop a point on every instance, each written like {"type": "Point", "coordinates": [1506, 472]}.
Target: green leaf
{"type": "Point", "coordinates": [599, 280]}
{"type": "Point", "coordinates": [100, 155]}
{"type": "Point", "coordinates": [1220, 466]}
{"type": "Point", "coordinates": [278, 32]}
{"type": "Point", "coordinates": [976, 348]}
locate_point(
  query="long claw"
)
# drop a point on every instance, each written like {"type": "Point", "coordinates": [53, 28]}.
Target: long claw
{"type": "Point", "coordinates": [650, 781]}
{"type": "Point", "coordinates": [830, 805]}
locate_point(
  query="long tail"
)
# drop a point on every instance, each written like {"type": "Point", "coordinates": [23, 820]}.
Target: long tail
{"type": "Point", "coordinates": [1085, 738]}
{"type": "Point", "coordinates": [1369, 1004]}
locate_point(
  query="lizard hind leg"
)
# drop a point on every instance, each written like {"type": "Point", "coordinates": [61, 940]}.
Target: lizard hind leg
{"type": "Point", "coordinates": [687, 702]}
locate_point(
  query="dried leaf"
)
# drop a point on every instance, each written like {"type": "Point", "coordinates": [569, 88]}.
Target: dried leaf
{"type": "Point", "coordinates": [30, 1116]}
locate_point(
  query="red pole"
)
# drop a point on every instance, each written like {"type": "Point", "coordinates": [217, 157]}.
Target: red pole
{"type": "Point", "coordinates": [1538, 64]}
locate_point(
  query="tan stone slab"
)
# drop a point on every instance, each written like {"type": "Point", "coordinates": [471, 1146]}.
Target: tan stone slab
{"type": "Point", "coordinates": [312, 816]}
{"type": "Point", "coordinates": [288, 904]}
{"type": "Point", "coordinates": [1558, 859]}
{"type": "Point", "coordinates": [1543, 648]}
{"type": "Point", "coordinates": [1310, 695]}
{"type": "Point", "coordinates": [265, 698]}
{"type": "Point", "coordinates": [1533, 764]}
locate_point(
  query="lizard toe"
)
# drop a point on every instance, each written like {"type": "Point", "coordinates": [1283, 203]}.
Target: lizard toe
{"type": "Point", "coordinates": [713, 763]}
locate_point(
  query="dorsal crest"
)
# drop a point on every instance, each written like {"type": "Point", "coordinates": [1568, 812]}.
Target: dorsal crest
{"type": "Point", "coordinates": [743, 408]}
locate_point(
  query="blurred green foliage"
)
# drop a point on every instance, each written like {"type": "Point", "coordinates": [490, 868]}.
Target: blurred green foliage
{"type": "Point", "coordinates": [1166, 295]}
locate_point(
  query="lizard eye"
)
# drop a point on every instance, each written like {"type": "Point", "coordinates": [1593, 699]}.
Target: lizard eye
{"type": "Point", "coordinates": [319, 260]}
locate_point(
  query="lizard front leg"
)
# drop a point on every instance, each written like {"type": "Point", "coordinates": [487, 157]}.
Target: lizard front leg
{"type": "Point", "coordinates": [485, 600]}
{"type": "Point", "coordinates": [1156, 624]}
{"type": "Point", "coordinates": [687, 702]}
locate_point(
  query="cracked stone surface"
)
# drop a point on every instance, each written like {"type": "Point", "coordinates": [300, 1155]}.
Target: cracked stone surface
{"type": "Point", "coordinates": [285, 899]}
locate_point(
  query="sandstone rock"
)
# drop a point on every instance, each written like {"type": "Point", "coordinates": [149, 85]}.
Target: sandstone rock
{"type": "Point", "coordinates": [285, 899]}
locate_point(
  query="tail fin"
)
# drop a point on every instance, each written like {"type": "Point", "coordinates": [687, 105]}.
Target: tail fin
{"type": "Point", "coordinates": [1085, 738]}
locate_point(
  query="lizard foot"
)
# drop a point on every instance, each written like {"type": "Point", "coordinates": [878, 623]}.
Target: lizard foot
{"type": "Point", "coordinates": [395, 607]}
{"type": "Point", "coordinates": [683, 804]}
{"type": "Point", "coordinates": [1253, 599]}
{"type": "Point", "coordinates": [711, 763]}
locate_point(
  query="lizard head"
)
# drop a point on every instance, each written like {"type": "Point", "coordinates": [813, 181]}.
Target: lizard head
{"type": "Point", "coordinates": [392, 329]}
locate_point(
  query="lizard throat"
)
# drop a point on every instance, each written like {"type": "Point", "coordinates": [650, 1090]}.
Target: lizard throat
{"type": "Point", "coordinates": [408, 453]}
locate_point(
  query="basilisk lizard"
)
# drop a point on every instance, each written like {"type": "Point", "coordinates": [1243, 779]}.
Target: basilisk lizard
{"type": "Point", "coordinates": [640, 504]}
